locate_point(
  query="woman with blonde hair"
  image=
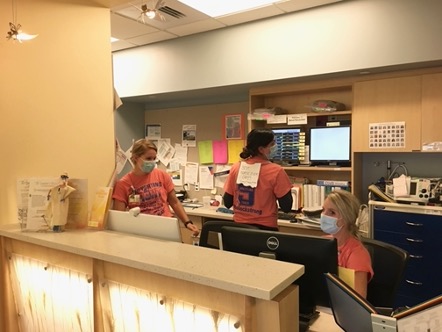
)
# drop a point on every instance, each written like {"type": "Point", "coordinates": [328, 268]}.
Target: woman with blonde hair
{"type": "Point", "coordinates": [338, 218]}
{"type": "Point", "coordinates": [148, 187]}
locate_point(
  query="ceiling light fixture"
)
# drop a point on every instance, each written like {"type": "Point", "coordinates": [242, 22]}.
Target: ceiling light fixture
{"type": "Point", "coordinates": [148, 12]}
{"type": "Point", "coordinates": [226, 7]}
{"type": "Point", "coordinates": [15, 32]}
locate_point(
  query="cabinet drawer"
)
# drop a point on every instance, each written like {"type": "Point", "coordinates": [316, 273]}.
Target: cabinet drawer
{"type": "Point", "coordinates": [408, 223]}
{"type": "Point", "coordinates": [415, 244]}
{"type": "Point", "coordinates": [424, 287]}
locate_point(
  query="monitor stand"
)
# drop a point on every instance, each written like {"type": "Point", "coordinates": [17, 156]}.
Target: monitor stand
{"type": "Point", "coordinates": [305, 320]}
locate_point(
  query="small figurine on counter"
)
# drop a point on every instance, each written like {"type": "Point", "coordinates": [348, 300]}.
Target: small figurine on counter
{"type": "Point", "coordinates": [57, 210]}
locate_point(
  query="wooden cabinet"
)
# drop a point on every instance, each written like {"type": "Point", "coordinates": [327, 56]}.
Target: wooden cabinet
{"type": "Point", "coordinates": [298, 99]}
{"type": "Point", "coordinates": [415, 229]}
{"type": "Point", "coordinates": [387, 100]}
{"type": "Point", "coordinates": [412, 97]}
{"type": "Point", "coordinates": [414, 100]}
{"type": "Point", "coordinates": [431, 104]}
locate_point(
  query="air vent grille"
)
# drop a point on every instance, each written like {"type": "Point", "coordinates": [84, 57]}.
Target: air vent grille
{"type": "Point", "coordinates": [172, 12]}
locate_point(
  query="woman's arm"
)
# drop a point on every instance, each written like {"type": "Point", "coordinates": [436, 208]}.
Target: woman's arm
{"type": "Point", "coordinates": [228, 200]}
{"type": "Point", "coordinates": [361, 283]}
{"type": "Point", "coordinates": [180, 213]}
{"type": "Point", "coordinates": [118, 205]}
{"type": "Point", "coordinates": [286, 202]}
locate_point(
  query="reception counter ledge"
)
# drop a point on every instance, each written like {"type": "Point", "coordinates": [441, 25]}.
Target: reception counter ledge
{"type": "Point", "coordinates": [257, 292]}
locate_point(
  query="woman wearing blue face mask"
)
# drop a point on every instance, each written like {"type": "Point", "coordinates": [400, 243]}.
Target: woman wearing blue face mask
{"type": "Point", "coordinates": [338, 218]}
{"type": "Point", "coordinates": [256, 202]}
{"type": "Point", "coordinates": [148, 187]}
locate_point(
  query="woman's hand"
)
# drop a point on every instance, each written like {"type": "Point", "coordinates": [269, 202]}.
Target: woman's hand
{"type": "Point", "coordinates": [194, 229]}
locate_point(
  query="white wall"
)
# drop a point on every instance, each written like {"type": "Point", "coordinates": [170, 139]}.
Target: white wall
{"type": "Point", "coordinates": [349, 35]}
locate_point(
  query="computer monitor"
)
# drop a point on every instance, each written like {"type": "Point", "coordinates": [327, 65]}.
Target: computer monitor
{"type": "Point", "coordinates": [318, 255]}
{"type": "Point", "coordinates": [351, 311]}
{"type": "Point", "coordinates": [158, 227]}
{"type": "Point", "coordinates": [288, 144]}
{"type": "Point", "coordinates": [330, 146]}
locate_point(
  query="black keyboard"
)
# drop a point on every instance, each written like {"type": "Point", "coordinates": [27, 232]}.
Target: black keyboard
{"type": "Point", "coordinates": [291, 216]}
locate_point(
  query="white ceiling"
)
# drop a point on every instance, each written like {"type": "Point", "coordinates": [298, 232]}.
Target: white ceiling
{"type": "Point", "coordinates": [128, 26]}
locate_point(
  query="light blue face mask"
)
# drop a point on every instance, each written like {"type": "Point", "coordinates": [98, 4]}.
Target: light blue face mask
{"type": "Point", "coordinates": [328, 224]}
{"type": "Point", "coordinates": [273, 150]}
{"type": "Point", "coordinates": [148, 166]}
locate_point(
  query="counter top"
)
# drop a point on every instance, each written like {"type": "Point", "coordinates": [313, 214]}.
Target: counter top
{"type": "Point", "coordinates": [252, 276]}
{"type": "Point", "coordinates": [210, 212]}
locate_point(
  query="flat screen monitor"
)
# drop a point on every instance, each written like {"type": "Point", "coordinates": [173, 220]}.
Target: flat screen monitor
{"type": "Point", "coordinates": [288, 146]}
{"type": "Point", "coordinates": [318, 255]}
{"type": "Point", "coordinates": [351, 311]}
{"type": "Point", "coordinates": [330, 146]}
{"type": "Point", "coordinates": [157, 227]}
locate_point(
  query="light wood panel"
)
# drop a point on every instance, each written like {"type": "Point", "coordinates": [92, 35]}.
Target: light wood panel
{"type": "Point", "coordinates": [387, 100]}
{"type": "Point", "coordinates": [431, 108]}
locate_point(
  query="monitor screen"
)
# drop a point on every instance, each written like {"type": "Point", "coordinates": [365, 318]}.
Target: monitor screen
{"type": "Point", "coordinates": [350, 310]}
{"type": "Point", "coordinates": [318, 255]}
{"type": "Point", "coordinates": [289, 146]}
{"type": "Point", "coordinates": [330, 146]}
{"type": "Point", "coordinates": [158, 227]}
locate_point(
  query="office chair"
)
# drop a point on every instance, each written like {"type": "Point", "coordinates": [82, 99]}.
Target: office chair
{"type": "Point", "coordinates": [389, 263]}
{"type": "Point", "coordinates": [209, 237]}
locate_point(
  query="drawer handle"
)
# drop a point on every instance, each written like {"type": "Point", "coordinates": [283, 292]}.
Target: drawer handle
{"type": "Point", "coordinates": [414, 224]}
{"type": "Point", "coordinates": [415, 283]}
{"type": "Point", "coordinates": [414, 240]}
{"type": "Point", "coordinates": [416, 256]}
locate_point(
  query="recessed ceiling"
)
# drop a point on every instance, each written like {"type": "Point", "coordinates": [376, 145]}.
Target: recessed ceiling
{"type": "Point", "coordinates": [131, 30]}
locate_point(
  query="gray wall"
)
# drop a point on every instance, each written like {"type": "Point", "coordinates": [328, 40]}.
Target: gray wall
{"type": "Point", "coordinates": [418, 164]}
{"type": "Point", "coordinates": [129, 125]}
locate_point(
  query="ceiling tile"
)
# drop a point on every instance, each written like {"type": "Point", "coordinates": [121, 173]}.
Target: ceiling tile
{"type": "Point", "coordinates": [151, 38]}
{"type": "Point", "coordinates": [123, 27]}
{"type": "Point", "coordinates": [251, 15]}
{"type": "Point", "coordinates": [127, 23]}
{"type": "Point", "coordinates": [197, 27]}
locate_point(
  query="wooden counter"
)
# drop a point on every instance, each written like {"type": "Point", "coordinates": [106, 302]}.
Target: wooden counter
{"type": "Point", "coordinates": [257, 284]}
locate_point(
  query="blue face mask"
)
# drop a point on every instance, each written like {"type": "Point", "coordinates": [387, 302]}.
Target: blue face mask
{"type": "Point", "coordinates": [328, 224]}
{"type": "Point", "coordinates": [148, 166]}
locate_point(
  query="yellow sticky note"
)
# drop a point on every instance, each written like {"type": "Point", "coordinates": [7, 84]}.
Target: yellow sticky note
{"type": "Point", "coordinates": [234, 149]}
{"type": "Point", "coordinates": [347, 275]}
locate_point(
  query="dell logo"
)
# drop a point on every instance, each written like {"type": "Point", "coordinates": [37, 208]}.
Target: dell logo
{"type": "Point", "coordinates": [272, 243]}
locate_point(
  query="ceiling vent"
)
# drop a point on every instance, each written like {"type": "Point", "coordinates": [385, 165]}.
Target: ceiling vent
{"type": "Point", "coordinates": [172, 12]}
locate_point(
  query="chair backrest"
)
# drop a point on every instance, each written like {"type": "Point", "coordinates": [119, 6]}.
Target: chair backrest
{"type": "Point", "coordinates": [211, 231]}
{"type": "Point", "coordinates": [389, 263]}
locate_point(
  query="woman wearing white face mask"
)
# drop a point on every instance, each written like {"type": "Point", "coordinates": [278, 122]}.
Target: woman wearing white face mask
{"type": "Point", "coordinates": [338, 218]}
{"type": "Point", "coordinates": [148, 187]}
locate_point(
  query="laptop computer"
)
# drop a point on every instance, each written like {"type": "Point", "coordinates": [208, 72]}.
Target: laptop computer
{"type": "Point", "coordinates": [158, 227]}
{"type": "Point", "coordinates": [353, 313]}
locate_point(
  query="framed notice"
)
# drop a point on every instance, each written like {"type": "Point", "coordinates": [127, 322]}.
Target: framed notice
{"type": "Point", "coordinates": [233, 126]}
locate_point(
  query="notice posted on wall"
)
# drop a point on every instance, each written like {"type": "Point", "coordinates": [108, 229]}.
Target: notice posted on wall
{"type": "Point", "coordinates": [387, 135]}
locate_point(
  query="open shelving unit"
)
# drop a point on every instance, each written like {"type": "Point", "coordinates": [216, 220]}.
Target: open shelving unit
{"type": "Point", "coordinates": [297, 99]}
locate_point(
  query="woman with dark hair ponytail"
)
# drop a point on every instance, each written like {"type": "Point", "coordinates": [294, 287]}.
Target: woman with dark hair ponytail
{"type": "Point", "coordinates": [255, 184]}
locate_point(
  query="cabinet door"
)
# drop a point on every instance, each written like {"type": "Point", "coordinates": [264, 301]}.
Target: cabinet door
{"type": "Point", "coordinates": [431, 103]}
{"type": "Point", "coordinates": [387, 100]}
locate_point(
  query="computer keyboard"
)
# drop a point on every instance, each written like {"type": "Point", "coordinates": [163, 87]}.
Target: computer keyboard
{"type": "Point", "coordinates": [224, 210]}
{"type": "Point", "coordinates": [291, 216]}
